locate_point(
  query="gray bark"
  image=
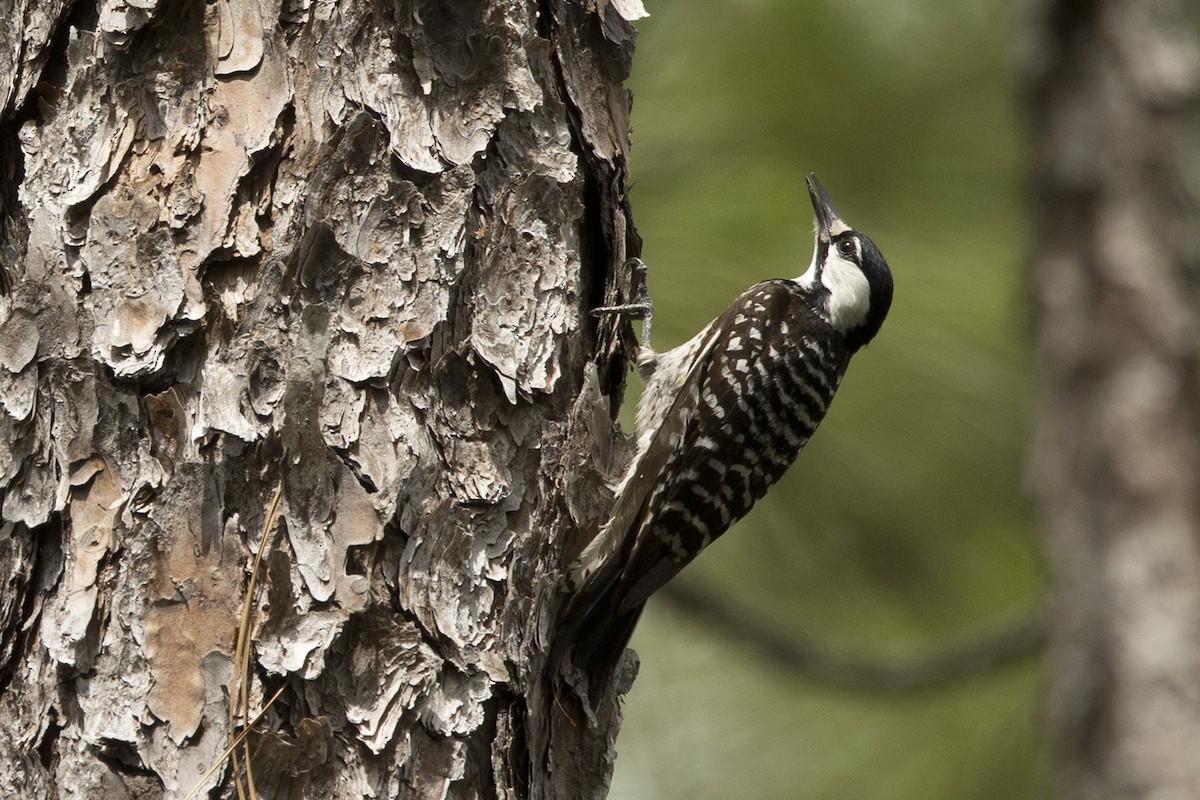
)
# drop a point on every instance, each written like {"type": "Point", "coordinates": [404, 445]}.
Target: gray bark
{"type": "Point", "coordinates": [345, 249]}
{"type": "Point", "coordinates": [1113, 92]}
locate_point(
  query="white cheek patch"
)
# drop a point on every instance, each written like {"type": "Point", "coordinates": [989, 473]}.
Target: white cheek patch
{"type": "Point", "coordinates": [849, 293]}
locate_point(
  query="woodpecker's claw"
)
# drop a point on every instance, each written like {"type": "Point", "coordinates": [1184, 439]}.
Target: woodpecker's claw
{"type": "Point", "coordinates": [641, 307]}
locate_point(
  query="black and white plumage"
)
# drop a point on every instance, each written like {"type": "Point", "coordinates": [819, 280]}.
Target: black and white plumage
{"type": "Point", "coordinates": [721, 419]}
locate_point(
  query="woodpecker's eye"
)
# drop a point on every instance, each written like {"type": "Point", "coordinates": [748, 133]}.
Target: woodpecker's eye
{"type": "Point", "coordinates": [846, 248]}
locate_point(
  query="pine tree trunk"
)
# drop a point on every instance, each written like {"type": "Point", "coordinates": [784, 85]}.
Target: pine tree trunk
{"type": "Point", "coordinates": [339, 255]}
{"type": "Point", "coordinates": [1114, 89]}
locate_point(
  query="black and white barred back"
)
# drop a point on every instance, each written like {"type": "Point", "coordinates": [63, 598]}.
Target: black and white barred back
{"type": "Point", "coordinates": [771, 369]}
{"type": "Point", "coordinates": [721, 419]}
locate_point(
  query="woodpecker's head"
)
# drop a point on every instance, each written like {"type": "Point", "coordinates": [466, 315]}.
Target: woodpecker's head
{"type": "Point", "coordinates": [850, 281]}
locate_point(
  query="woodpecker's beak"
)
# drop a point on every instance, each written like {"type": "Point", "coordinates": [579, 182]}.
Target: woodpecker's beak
{"type": "Point", "coordinates": [828, 221]}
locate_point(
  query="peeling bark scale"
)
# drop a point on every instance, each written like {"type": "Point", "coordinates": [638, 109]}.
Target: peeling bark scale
{"type": "Point", "coordinates": [348, 249]}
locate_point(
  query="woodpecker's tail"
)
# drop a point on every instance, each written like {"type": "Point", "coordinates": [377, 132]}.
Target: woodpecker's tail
{"type": "Point", "coordinates": [592, 632]}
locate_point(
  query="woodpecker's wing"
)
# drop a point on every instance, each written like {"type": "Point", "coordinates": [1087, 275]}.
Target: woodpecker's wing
{"type": "Point", "coordinates": [590, 618]}
{"type": "Point", "coordinates": [733, 408]}
{"type": "Point", "coordinates": [672, 411]}
{"type": "Point", "coordinates": [752, 398]}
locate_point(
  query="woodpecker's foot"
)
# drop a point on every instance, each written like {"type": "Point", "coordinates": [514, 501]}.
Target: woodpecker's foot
{"type": "Point", "coordinates": [640, 308]}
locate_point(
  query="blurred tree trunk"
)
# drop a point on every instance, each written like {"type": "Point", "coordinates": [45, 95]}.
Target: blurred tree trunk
{"type": "Point", "coordinates": [1113, 88]}
{"type": "Point", "coordinates": [345, 249]}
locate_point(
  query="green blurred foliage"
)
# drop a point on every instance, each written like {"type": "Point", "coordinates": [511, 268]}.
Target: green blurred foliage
{"type": "Point", "coordinates": [904, 523]}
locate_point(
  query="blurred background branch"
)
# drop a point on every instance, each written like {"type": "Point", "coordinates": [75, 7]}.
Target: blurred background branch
{"type": "Point", "coordinates": [937, 666]}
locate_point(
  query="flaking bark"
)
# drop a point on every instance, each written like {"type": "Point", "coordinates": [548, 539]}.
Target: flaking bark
{"type": "Point", "coordinates": [348, 249]}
